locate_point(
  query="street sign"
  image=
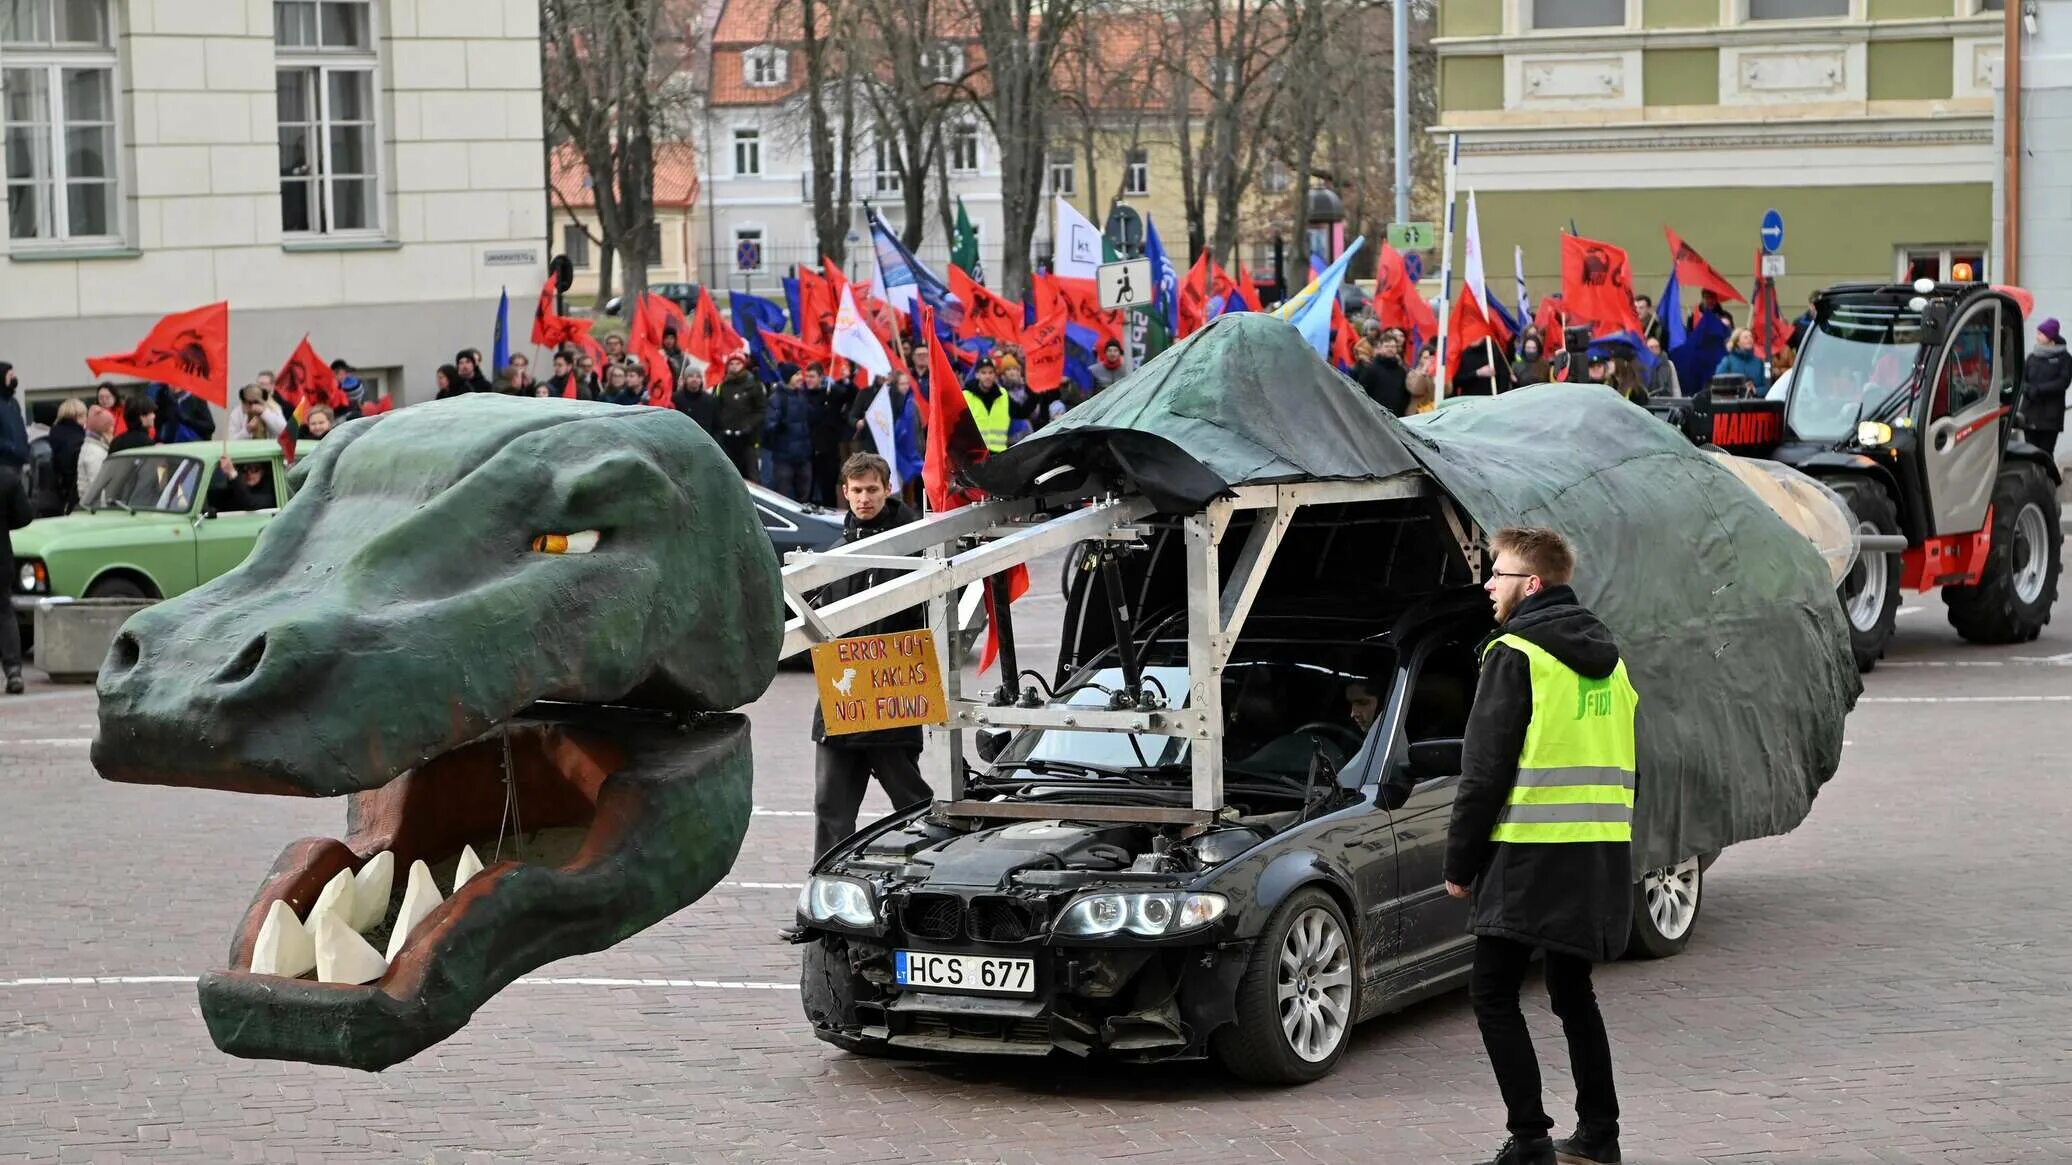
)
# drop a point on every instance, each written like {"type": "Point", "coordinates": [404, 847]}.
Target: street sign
{"type": "Point", "coordinates": [512, 257]}
{"type": "Point", "coordinates": [748, 255]}
{"type": "Point", "coordinates": [1125, 228]}
{"type": "Point", "coordinates": [1773, 231]}
{"type": "Point", "coordinates": [1413, 266]}
{"type": "Point", "coordinates": [1413, 236]}
{"type": "Point", "coordinates": [1125, 284]}
{"type": "Point", "coordinates": [880, 681]}
{"type": "Point", "coordinates": [1773, 266]}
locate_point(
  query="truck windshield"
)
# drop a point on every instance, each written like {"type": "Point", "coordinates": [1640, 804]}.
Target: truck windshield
{"type": "Point", "coordinates": [1858, 364]}
{"type": "Point", "coordinates": [162, 484]}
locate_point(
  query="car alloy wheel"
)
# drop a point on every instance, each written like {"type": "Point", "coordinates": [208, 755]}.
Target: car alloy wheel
{"type": "Point", "coordinates": [1315, 985]}
{"type": "Point", "coordinates": [1671, 895]}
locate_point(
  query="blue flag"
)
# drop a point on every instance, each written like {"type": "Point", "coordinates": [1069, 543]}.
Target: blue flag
{"type": "Point", "coordinates": [751, 313]}
{"type": "Point", "coordinates": [500, 348]}
{"type": "Point", "coordinates": [791, 299]}
{"type": "Point", "coordinates": [1670, 309]}
{"type": "Point", "coordinates": [1164, 277]}
{"type": "Point", "coordinates": [1310, 309]}
{"type": "Point", "coordinates": [907, 279]}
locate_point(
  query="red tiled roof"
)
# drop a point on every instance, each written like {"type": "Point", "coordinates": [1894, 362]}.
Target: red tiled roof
{"type": "Point", "coordinates": [676, 176]}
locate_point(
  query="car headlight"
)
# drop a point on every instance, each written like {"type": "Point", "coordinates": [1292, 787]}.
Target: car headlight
{"type": "Point", "coordinates": [839, 900]}
{"type": "Point", "coordinates": [31, 578]}
{"type": "Point", "coordinates": [1873, 433]}
{"type": "Point", "coordinates": [1150, 915]}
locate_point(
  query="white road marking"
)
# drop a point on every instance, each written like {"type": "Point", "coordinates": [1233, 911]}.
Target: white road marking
{"type": "Point", "coordinates": [50, 741]}
{"type": "Point", "coordinates": [1966, 700]}
{"type": "Point", "coordinates": [765, 885]}
{"type": "Point", "coordinates": [141, 980]}
{"type": "Point", "coordinates": [1911, 610]}
{"type": "Point", "coordinates": [762, 812]}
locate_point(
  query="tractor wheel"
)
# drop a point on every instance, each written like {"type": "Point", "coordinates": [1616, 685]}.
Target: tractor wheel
{"type": "Point", "coordinates": [1870, 595]}
{"type": "Point", "coordinates": [2012, 600]}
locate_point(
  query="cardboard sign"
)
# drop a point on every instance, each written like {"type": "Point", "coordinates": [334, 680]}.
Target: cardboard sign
{"type": "Point", "coordinates": [874, 682]}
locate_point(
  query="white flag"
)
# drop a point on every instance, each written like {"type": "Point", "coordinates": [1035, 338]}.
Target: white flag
{"type": "Point", "coordinates": [885, 431]}
{"type": "Point", "coordinates": [1077, 244]}
{"type": "Point", "coordinates": [854, 340]}
{"type": "Point", "coordinates": [1477, 284]}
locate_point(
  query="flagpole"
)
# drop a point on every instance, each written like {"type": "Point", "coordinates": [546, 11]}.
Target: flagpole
{"type": "Point", "coordinates": [1446, 266]}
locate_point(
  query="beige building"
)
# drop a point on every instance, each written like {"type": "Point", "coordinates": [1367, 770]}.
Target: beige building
{"type": "Point", "coordinates": [370, 172]}
{"type": "Point", "coordinates": [673, 245]}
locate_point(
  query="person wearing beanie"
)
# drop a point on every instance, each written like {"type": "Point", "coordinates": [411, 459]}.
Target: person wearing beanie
{"type": "Point", "coordinates": [2045, 377]}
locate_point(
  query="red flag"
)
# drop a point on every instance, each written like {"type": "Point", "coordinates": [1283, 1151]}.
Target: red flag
{"type": "Point", "coordinates": [1400, 305]}
{"type": "Point", "coordinates": [306, 375]}
{"type": "Point", "coordinates": [1693, 273]}
{"type": "Point", "coordinates": [1082, 302]}
{"type": "Point", "coordinates": [985, 314]}
{"type": "Point", "coordinates": [1467, 328]}
{"type": "Point", "coordinates": [1222, 285]}
{"type": "Point", "coordinates": [709, 338]}
{"type": "Point", "coordinates": [1766, 321]}
{"type": "Point", "coordinates": [816, 320]}
{"type": "Point", "coordinates": [884, 321]}
{"type": "Point", "coordinates": [1548, 321]}
{"type": "Point", "coordinates": [387, 403]}
{"type": "Point", "coordinates": [791, 350]}
{"type": "Point", "coordinates": [643, 340]}
{"type": "Point", "coordinates": [1194, 296]}
{"type": "Point", "coordinates": [1341, 337]}
{"type": "Point", "coordinates": [1597, 285]}
{"type": "Point", "coordinates": [544, 332]}
{"type": "Point", "coordinates": [1017, 586]}
{"type": "Point", "coordinates": [287, 440]}
{"type": "Point", "coordinates": [954, 443]}
{"type": "Point", "coordinates": [1249, 291]}
{"type": "Point", "coordinates": [1043, 344]}
{"type": "Point", "coordinates": [188, 350]}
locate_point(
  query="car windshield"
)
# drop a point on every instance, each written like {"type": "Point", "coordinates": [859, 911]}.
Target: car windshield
{"type": "Point", "coordinates": [162, 484]}
{"type": "Point", "coordinates": [1858, 364]}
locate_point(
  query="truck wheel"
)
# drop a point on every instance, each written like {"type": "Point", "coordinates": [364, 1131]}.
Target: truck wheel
{"type": "Point", "coordinates": [1870, 595]}
{"type": "Point", "coordinates": [1296, 1003]}
{"type": "Point", "coordinates": [2012, 600]}
{"type": "Point", "coordinates": [1665, 909]}
{"type": "Point", "coordinates": [829, 987]}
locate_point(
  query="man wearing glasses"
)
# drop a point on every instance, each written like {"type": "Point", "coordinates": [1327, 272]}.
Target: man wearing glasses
{"type": "Point", "coordinates": [1541, 836]}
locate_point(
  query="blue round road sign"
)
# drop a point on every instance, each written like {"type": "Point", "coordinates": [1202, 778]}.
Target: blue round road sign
{"type": "Point", "coordinates": [1773, 232]}
{"type": "Point", "coordinates": [1413, 266]}
{"type": "Point", "coordinates": [748, 255]}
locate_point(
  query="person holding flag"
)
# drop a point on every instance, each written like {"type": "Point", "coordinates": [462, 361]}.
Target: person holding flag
{"type": "Point", "coordinates": [1476, 335]}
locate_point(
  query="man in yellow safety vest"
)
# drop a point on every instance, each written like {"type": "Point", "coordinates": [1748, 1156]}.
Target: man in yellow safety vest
{"type": "Point", "coordinates": [1542, 831]}
{"type": "Point", "coordinates": [991, 408]}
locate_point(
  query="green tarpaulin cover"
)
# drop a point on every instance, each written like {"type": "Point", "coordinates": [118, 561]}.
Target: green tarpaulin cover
{"type": "Point", "coordinates": [1726, 615]}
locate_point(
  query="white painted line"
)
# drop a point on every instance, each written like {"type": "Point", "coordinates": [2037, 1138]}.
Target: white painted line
{"type": "Point", "coordinates": [1910, 610]}
{"type": "Point", "coordinates": [1965, 700]}
{"type": "Point", "coordinates": [765, 885]}
{"type": "Point", "coordinates": [762, 812]}
{"type": "Point", "coordinates": [49, 741]}
{"type": "Point", "coordinates": [139, 980]}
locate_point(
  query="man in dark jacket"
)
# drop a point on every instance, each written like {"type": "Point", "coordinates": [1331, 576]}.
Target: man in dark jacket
{"type": "Point", "coordinates": [1384, 377]}
{"type": "Point", "coordinates": [692, 400]}
{"type": "Point", "coordinates": [788, 432]}
{"type": "Point", "coordinates": [1542, 831]}
{"type": "Point", "coordinates": [2045, 377]}
{"type": "Point", "coordinates": [14, 461]}
{"type": "Point", "coordinates": [844, 765]}
{"type": "Point", "coordinates": [743, 401]}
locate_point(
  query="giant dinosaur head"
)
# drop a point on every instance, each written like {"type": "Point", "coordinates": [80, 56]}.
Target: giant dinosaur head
{"type": "Point", "coordinates": [502, 629]}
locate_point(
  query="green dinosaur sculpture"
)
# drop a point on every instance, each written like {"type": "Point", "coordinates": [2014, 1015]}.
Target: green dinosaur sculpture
{"type": "Point", "coordinates": [497, 626]}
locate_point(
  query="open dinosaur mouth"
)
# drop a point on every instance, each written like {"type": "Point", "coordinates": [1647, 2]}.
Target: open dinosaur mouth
{"type": "Point", "coordinates": [561, 832]}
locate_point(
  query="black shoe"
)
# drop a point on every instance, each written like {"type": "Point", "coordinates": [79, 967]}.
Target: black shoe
{"type": "Point", "coordinates": [1526, 1151]}
{"type": "Point", "coordinates": [15, 687]}
{"type": "Point", "coordinates": [1595, 1149]}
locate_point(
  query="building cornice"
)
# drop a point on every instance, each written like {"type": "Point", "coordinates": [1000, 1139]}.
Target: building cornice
{"type": "Point", "coordinates": [1602, 40]}
{"type": "Point", "coordinates": [1709, 136]}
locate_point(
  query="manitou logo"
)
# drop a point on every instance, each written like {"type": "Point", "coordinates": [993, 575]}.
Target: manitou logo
{"type": "Point", "coordinates": [1763, 427]}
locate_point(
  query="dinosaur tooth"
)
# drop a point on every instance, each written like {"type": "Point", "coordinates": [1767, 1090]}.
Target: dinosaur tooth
{"type": "Point", "coordinates": [284, 947]}
{"type": "Point", "coordinates": [371, 890]}
{"type": "Point", "coordinates": [420, 897]}
{"type": "Point", "coordinates": [342, 955]}
{"type": "Point", "coordinates": [468, 866]}
{"type": "Point", "coordinates": [337, 898]}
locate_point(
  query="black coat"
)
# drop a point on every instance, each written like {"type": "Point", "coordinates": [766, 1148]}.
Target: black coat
{"type": "Point", "coordinates": [1385, 381]}
{"type": "Point", "coordinates": [701, 406]}
{"type": "Point", "coordinates": [894, 514]}
{"type": "Point", "coordinates": [2045, 377]}
{"type": "Point", "coordinates": [1574, 897]}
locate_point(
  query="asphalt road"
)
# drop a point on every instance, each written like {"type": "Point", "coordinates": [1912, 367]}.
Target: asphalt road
{"type": "Point", "coordinates": [1885, 984]}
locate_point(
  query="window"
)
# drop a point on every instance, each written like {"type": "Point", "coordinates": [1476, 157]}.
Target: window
{"type": "Point", "coordinates": [1966, 377]}
{"type": "Point", "coordinates": [651, 248]}
{"type": "Point", "coordinates": [753, 250]}
{"type": "Point", "coordinates": [964, 149]}
{"type": "Point", "coordinates": [575, 243]}
{"type": "Point", "coordinates": [60, 117]}
{"type": "Point", "coordinates": [887, 172]}
{"type": "Point", "coordinates": [748, 153]}
{"type": "Point", "coordinates": [1064, 173]}
{"type": "Point", "coordinates": [1547, 14]}
{"type": "Point", "coordinates": [1276, 178]}
{"type": "Point", "coordinates": [1943, 264]}
{"type": "Point", "coordinates": [1136, 173]}
{"type": "Point", "coordinates": [324, 94]}
{"type": "Point", "coordinates": [1797, 9]}
{"type": "Point", "coordinates": [763, 66]}
{"type": "Point", "coordinates": [942, 63]}
{"type": "Point", "coordinates": [1992, 5]}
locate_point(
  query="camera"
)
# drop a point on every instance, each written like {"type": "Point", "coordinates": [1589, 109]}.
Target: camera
{"type": "Point", "coordinates": [1575, 342]}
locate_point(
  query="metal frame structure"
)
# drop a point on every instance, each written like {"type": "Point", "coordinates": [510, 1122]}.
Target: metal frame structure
{"type": "Point", "coordinates": [946, 552]}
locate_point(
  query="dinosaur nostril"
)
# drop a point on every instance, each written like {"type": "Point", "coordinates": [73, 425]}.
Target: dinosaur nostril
{"type": "Point", "coordinates": [124, 652]}
{"type": "Point", "coordinates": [246, 663]}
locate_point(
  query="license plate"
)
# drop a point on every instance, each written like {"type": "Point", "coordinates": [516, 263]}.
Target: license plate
{"type": "Point", "coordinates": [964, 973]}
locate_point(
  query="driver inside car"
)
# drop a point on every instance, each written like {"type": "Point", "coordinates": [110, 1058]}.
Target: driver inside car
{"type": "Point", "coordinates": [1363, 703]}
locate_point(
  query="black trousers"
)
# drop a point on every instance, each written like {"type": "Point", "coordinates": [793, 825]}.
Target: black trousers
{"type": "Point", "coordinates": [10, 630]}
{"type": "Point", "coordinates": [1500, 966]}
{"type": "Point", "coordinates": [744, 449]}
{"type": "Point", "coordinates": [2044, 439]}
{"type": "Point", "coordinates": [841, 776]}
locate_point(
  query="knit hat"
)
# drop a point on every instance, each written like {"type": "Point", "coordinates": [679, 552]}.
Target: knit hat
{"type": "Point", "coordinates": [2049, 328]}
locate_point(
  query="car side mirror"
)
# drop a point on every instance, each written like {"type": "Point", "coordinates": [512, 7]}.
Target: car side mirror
{"type": "Point", "coordinates": [1431, 759]}
{"type": "Point", "coordinates": [991, 745]}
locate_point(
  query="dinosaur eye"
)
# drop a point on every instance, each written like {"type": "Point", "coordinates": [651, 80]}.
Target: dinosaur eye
{"type": "Point", "coordinates": [580, 542]}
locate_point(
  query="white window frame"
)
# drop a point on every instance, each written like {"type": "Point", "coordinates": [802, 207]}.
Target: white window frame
{"type": "Point", "coordinates": [761, 234]}
{"type": "Point", "coordinates": [1068, 162]}
{"type": "Point", "coordinates": [944, 62]}
{"type": "Point", "coordinates": [1275, 177]}
{"type": "Point", "coordinates": [1519, 15]}
{"type": "Point", "coordinates": [53, 60]}
{"type": "Point", "coordinates": [1946, 256]}
{"type": "Point", "coordinates": [962, 131]}
{"type": "Point", "coordinates": [329, 62]}
{"type": "Point", "coordinates": [885, 174]}
{"type": "Point", "coordinates": [1738, 15]}
{"type": "Point", "coordinates": [576, 230]}
{"type": "Point", "coordinates": [1136, 173]}
{"type": "Point", "coordinates": [763, 57]}
{"type": "Point", "coordinates": [751, 136]}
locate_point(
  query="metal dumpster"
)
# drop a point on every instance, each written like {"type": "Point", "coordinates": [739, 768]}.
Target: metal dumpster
{"type": "Point", "coordinates": [72, 635]}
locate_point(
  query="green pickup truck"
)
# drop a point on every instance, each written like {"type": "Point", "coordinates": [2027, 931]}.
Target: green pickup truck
{"type": "Point", "coordinates": [158, 521]}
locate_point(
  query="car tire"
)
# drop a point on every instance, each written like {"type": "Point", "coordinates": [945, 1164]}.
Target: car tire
{"type": "Point", "coordinates": [829, 988]}
{"type": "Point", "coordinates": [1261, 1046]}
{"type": "Point", "coordinates": [1872, 614]}
{"type": "Point", "coordinates": [1666, 903]}
{"type": "Point", "coordinates": [2013, 598]}
{"type": "Point", "coordinates": [118, 588]}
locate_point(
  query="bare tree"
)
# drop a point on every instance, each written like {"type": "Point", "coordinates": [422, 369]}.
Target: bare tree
{"type": "Point", "coordinates": [1226, 72]}
{"type": "Point", "coordinates": [914, 82]}
{"type": "Point", "coordinates": [826, 31]}
{"type": "Point", "coordinates": [608, 93]}
{"type": "Point", "coordinates": [1017, 94]}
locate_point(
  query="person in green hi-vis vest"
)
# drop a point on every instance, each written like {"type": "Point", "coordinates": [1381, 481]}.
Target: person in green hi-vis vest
{"type": "Point", "coordinates": [1541, 836]}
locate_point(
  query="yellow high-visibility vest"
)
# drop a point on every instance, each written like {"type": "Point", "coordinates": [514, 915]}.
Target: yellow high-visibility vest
{"type": "Point", "coordinates": [992, 420]}
{"type": "Point", "coordinates": [1575, 773]}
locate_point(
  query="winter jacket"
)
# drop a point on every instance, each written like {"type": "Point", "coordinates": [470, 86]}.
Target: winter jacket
{"type": "Point", "coordinates": [182, 416]}
{"type": "Point", "coordinates": [92, 455]}
{"type": "Point", "coordinates": [830, 418]}
{"type": "Point", "coordinates": [14, 431]}
{"type": "Point", "coordinates": [699, 405]}
{"type": "Point", "coordinates": [788, 427]}
{"type": "Point", "coordinates": [894, 514]}
{"type": "Point", "coordinates": [1466, 382]}
{"type": "Point", "coordinates": [1384, 381]}
{"type": "Point", "coordinates": [1745, 364]}
{"type": "Point", "coordinates": [743, 402]}
{"type": "Point", "coordinates": [66, 439]}
{"type": "Point", "coordinates": [1574, 897]}
{"type": "Point", "coordinates": [2045, 377]}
